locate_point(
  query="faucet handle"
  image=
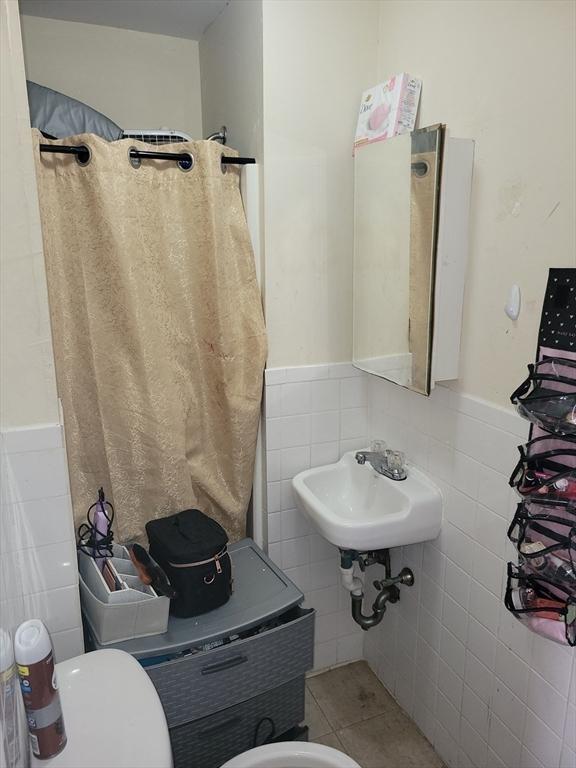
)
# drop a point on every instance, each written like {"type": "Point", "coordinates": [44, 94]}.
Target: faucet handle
{"type": "Point", "coordinates": [396, 461]}
{"type": "Point", "coordinates": [378, 446]}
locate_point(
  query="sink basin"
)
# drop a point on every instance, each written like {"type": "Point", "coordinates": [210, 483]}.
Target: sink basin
{"type": "Point", "coordinates": [354, 507]}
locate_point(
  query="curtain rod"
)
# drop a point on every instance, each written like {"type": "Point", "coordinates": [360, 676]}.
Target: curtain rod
{"type": "Point", "coordinates": [83, 154]}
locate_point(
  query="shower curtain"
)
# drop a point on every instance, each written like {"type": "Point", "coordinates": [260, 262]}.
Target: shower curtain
{"type": "Point", "coordinates": [158, 331]}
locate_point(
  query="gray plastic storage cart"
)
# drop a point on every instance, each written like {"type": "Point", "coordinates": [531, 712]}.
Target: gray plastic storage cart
{"type": "Point", "coordinates": [234, 677]}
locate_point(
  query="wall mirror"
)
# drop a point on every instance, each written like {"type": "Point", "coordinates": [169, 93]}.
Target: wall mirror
{"type": "Point", "coordinates": [396, 209]}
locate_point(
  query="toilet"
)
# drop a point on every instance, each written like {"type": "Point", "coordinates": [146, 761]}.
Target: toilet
{"type": "Point", "coordinates": [112, 715]}
{"type": "Point", "coordinates": [292, 754]}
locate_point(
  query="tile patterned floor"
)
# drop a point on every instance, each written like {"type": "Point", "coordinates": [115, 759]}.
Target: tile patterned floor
{"type": "Point", "coordinates": [349, 709]}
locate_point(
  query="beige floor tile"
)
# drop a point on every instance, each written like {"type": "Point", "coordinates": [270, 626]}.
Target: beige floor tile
{"type": "Point", "coordinates": [330, 740]}
{"type": "Point", "coordinates": [349, 694]}
{"type": "Point", "coordinates": [388, 741]}
{"type": "Point", "coordinates": [315, 720]}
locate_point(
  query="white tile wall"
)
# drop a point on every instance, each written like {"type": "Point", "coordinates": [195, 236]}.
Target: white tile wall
{"type": "Point", "coordinates": [485, 690]}
{"type": "Point", "coordinates": [482, 687]}
{"type": "Point", "coordinates": [39, 576]}
{"type": "Point", "coordinates": [314, 414]}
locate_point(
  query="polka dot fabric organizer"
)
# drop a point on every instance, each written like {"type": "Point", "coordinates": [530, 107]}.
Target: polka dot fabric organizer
{"type": "Point", "coordinates": [541, 588]}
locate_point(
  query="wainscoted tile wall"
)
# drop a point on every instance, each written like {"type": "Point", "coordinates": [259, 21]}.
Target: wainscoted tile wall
{"type": "Point", "coordinates": [314, 414]}
{"type": "Point", "coordinates": [482, 688]}
{"type": "Point", "coordinates": [39, 576]}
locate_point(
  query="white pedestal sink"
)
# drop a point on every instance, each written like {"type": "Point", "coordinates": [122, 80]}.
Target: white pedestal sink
{"type": "Point", "coordinates": [356, 508]}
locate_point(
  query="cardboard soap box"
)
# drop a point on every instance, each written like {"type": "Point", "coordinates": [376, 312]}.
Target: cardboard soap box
{"type": "Point", "coordinates": [388, 109]}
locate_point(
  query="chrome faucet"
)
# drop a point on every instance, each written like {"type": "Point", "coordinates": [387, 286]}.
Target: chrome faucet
{"type": "Point", "coordinates": [387, 463]}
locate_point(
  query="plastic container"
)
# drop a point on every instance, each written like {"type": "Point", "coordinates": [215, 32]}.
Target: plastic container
{"type": "Point", "coordinates": [126, 614]}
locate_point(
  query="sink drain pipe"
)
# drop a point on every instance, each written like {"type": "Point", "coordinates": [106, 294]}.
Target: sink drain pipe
{"type": "Point", "coordinates": [350, 582]}
{"type": "Point", "coordinates": [355, 587]}
{"type": "Point", "coordinates": [367, 622]}
{"type": "Point", "coordinates": [388, 592]}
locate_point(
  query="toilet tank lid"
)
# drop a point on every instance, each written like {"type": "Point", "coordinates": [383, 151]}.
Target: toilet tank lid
{"type": "Point", "coordinates": [110, 707]}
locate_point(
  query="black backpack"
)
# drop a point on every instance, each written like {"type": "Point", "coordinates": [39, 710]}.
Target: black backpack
{"type": "Point", "coordinates": [191, 548]}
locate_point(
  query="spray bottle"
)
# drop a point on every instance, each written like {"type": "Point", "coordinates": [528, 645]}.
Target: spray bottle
{"type": "Point", "coordinates": [13, 742]}
{"type": "Point", "coordinates": [35, 662]}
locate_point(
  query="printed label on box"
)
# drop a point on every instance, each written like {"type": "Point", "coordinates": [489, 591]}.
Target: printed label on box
{"type": "Point", "coordinates": [388, 109]}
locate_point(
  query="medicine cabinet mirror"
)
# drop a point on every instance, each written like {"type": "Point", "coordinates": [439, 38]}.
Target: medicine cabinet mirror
{"type": "Point", "coordinates": [396, 202]}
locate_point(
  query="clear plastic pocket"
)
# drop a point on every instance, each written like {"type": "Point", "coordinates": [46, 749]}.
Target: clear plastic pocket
{"type": "Point", "coordinates": [547, 467]}
{"type": "Point", "coordinates": [547, 397]}
{"type": "Point", "coordinates": [546, 606]}
{"type": "Point", "coordinates": [538, 534]}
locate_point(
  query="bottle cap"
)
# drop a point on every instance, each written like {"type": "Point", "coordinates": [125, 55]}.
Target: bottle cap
{"type": "Point", "coordinates": [531, 547]}
{"type": "Point", "coordinates": [31, 642]}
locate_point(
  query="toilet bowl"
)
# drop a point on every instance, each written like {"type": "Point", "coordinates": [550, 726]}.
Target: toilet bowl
{"type": "Point", "coordinates": [292, 754]}
{"type": "Point", "coordinates": [112, 715]}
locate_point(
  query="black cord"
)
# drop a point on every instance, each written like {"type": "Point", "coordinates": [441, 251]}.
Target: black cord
{"type": "Point", "coordinates": [93, 542]}
{"type": "Point", "coordinates": [255, 742]}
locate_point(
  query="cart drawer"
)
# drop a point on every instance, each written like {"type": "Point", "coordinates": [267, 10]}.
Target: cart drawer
{"type": "Point", "coordinates": [209, 742]}
{"type": "Point", "coordinates": [194, 686]}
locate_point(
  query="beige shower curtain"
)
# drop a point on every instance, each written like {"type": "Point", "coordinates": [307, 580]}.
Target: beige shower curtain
{"type": "Point", "coordinates": [158, 331]}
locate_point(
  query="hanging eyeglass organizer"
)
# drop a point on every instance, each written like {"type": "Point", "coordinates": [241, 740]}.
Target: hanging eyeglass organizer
{"type": "Point", "coordinates": [541, 587]}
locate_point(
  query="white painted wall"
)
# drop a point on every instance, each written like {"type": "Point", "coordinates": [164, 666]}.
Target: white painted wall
{"type": "Point", "coordinates": [137, 79]}
{"type": "Point", "coordinates": [288, 93]}
{"type": "Point", "coordinates": [27, 379]}
{"type": "Point", "coordinates": [231, 76]}
{"type": "Point", "coordinates": [502, 73]}
{"type": "Point", "coordinates": [38, 574]}
{"type": "Point", "coordinates": [517, 103]}
{"type": "Point", "coordinates": [318, 57]}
